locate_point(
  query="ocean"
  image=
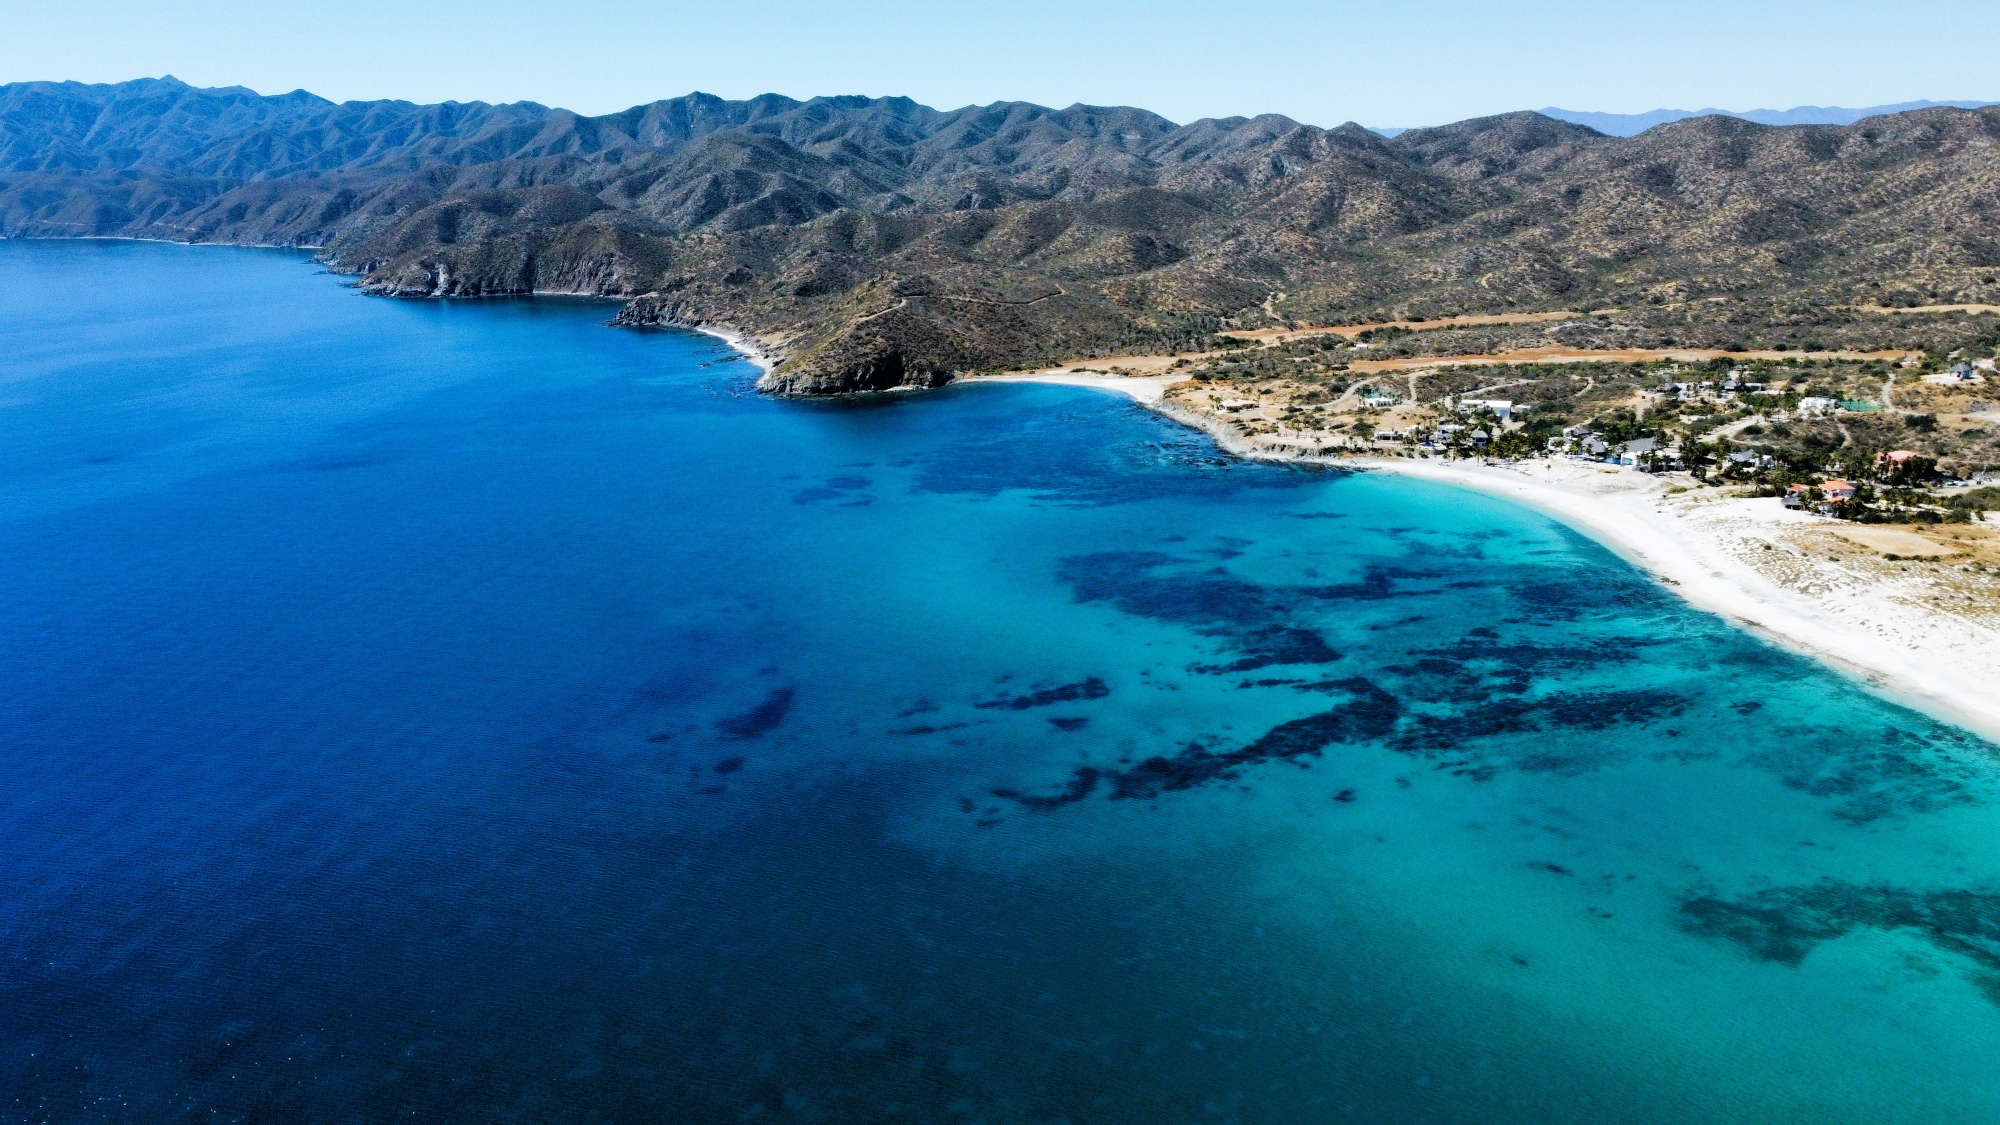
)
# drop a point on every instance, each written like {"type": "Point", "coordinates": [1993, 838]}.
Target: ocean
{"type": "Point", "coordinates": [463, 711]}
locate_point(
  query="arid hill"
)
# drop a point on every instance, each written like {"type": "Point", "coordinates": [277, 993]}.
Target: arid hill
{"type": "Point", "coordinates": [883, 243]}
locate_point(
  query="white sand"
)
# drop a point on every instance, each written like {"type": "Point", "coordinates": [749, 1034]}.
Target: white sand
{"type": "Point", "coordinates": [1749, 560]}
{"type": "Point", "coordinates": [1147, 389]}
{"type": "Point", "coordinates": [742, 342]}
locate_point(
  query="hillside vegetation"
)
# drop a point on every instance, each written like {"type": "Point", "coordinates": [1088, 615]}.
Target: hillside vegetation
{"type": "Point", "coordinates": [882, 243]}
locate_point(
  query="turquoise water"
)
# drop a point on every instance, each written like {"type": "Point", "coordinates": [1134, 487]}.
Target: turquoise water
{"type": "Point", "coordinates": [465, 712]}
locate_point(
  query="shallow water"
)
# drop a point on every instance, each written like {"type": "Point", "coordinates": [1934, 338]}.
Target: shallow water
{"type": "Point", "coordinates": [464, 711]}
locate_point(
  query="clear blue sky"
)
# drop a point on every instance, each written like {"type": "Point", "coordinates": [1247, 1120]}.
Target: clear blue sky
{"type": "Point", "coordinates": [1416, 63]}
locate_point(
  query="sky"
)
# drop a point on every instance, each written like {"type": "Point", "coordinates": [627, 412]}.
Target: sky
{"type": "Point", "coordinates": [1421, 62]}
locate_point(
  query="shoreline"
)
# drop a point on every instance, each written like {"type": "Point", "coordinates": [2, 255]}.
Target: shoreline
{"type": "Point", "coordinates": [1704, 546]}
{"type": "Point", "coordinates": [742, 342]}
{"type": "Point", "coordinates": [1706, 575]}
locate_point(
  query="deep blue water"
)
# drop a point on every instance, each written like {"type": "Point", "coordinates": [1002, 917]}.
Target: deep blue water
{"type": "Point", "coordinates": [467, 712]}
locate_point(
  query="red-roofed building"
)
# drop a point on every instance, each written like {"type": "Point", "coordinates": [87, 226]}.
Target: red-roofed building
{"type": "Point", "coordinates": [1838, 491]}
{"type": "Point", "coordinates": [1905, 466]}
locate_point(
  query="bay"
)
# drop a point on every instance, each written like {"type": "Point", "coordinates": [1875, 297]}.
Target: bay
{"type": "Point", "coordinates": [464, 711]}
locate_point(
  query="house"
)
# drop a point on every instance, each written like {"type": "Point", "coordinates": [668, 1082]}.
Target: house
{"type": "Point", "coordinates": [1814, 406]}
{"type": "Point", "coordinates": [1235, 404]}
{"type": "Point", "coordinates": [1837, 491]}
{"type": "Point", "coordinates": [1795, 496]}
{"type": "Point", "coordinates": [1502, 408]}
{"type": "Point", "coordinates": [1376, 400]}
{"type": "Point", "coordinates": [1637, 448]}
{"type": "Point", "coordinates": [1893, 458]}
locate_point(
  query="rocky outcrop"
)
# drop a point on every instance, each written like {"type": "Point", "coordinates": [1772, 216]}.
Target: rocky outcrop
{"type": "Point", "coordinates": [658, 310]}
{"type": "Point", "coordinates": [893, 352]}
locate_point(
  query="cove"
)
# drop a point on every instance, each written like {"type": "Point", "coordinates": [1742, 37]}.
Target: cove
{"type": "Point", "coordinates": [462, 711]}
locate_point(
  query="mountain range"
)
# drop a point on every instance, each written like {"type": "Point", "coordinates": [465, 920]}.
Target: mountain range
{"type": "Point", "coordinates": [1632, 124]}
{"type": "Point", "coordinates": [876, 242]}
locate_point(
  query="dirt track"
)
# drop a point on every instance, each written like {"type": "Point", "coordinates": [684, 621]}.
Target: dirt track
{"type": "Point", "coordinates": [1271, 336]}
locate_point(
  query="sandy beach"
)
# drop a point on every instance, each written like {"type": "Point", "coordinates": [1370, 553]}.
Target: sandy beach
{"type": "Point", "coordinates": [750, 347]}
{"type": "Point", "coordinates": [1926, 632]}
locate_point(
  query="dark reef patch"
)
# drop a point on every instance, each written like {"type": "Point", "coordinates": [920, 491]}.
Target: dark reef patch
{"type": "Point", "coordinates": [761, 719]}
{"type": "Point", "coordinates": [1378, 583]}
{"type": "Point", "coordinates": [1075, 722]}
{"type": "Point", "coordinates": [1258, 623]}
{"type": "Point", "coordinates": [928, 729]}
{"type": "Point", "coordinates": [1871, 776]}
{"type": "Point", "coordinates": [1080, 785]}
{"type": "Point", "coordinates": [1574, 593]}
{"type": "Point", "coordinates": [1274, 644]}
{"type": "Point", "coordinates": [1784, 924]}
{"type": "Point", "coordinates": [1584, 711]}
{"type": "Point", "coordinates": [1371, 714]}
{"type": "Point", "coordinates": [1477, 665]}
{"type": "Point", "coordinates": [1092, 688]}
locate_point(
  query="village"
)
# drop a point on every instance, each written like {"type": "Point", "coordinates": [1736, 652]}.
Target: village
{"type": "Point", "coordinates": [1874, 439]}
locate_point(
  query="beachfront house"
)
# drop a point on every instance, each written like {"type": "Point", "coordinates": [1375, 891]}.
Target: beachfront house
{"type": "Point", "coordinates": [1837, 491]}
{"type": "Point", "coordinates": [1636, 449]}
{"type": "Point", "coordinates": [1796, 496]}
